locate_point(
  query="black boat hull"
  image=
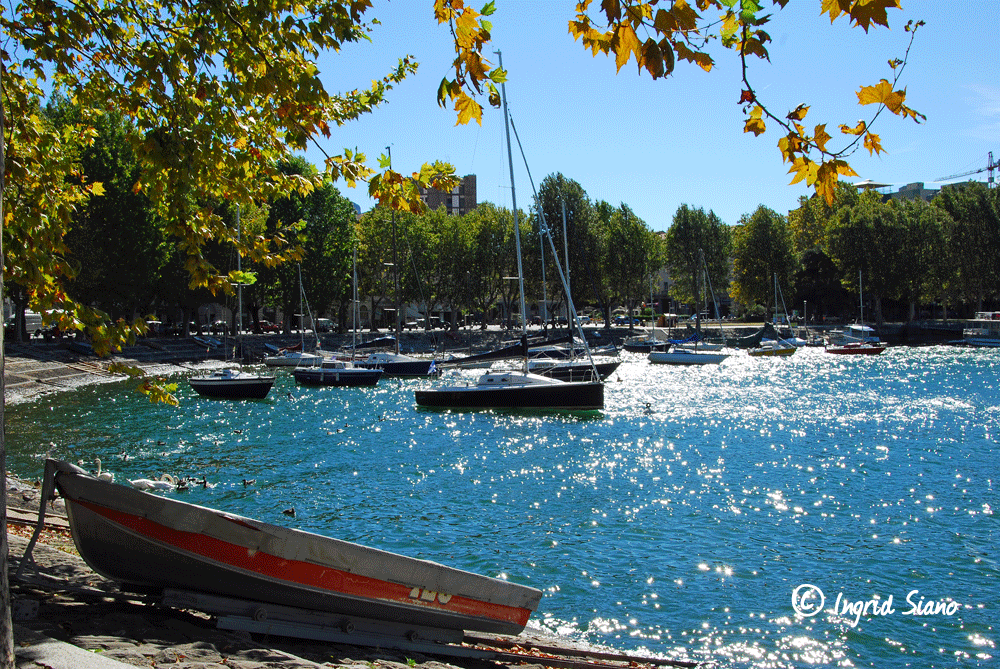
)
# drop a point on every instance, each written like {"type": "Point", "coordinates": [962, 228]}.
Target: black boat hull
{"type": "Point", "coordinates": [577, 371]}
{"type": "Point", "coordinates": [239, 390]}
{"type": "Point", "coordinates": [562, 397]}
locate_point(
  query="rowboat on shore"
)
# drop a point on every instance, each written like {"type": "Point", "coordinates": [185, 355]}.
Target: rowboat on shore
{"type": "Point", "coordinates": [151, 543]}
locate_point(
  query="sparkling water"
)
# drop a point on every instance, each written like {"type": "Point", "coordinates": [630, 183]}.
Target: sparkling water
{"type": "Point", "coordinates": [758, 513]}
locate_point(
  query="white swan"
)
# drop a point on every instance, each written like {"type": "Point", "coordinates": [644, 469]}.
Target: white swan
{"type": "Point", "coordinates": [149, 484]}
{"type": "Point", "coordinates": [103, 476]}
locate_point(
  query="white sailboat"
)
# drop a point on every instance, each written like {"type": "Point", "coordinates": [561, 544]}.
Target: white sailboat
{"type": "Point", "coordinates": [693, 351]}
{"type": "Point", "coordinates": [341, 373]}
{"type": "Point", "coordinates": [517, 389]}
{"type": "Point", "coordinates": [293, 357]}
{"type": "Point", "coordinates": [774, 347]}
{"type": "Point", "coordinates": [859, 339]}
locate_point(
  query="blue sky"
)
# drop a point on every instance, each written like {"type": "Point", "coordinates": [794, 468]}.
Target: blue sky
{"type": "Point", "coordinates": [655, 145]}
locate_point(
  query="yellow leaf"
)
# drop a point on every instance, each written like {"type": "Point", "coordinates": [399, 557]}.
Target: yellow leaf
{"type": "Point", "coordinates": [856, 130]}
{"type": "Point", "coordinates": [872, 143]}
{"type": "Point", "coordinates": [820, 138]}
{"type": "Point", "coordinates": [468, 109]}
{"type": "Point", "coordinates": [798, 113]}
{"type": "Point", "coordinates": [755, 125]}
{"type": "Point", "coordinates": [627, 44]}
{"type": "Point", "coordinates": [868, 12]}
{"type": "Point", "coordinates": [803, 168]}
{"type": "Point", "coordinates": [882, 93]}
{"type": "Point", "coordinates": [835, 8]}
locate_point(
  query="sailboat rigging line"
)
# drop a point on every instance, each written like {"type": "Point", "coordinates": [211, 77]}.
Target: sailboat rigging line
{"type": "Point", "coordinates": [305, 302]}
{"type": "Point", "coordinates": [545, 232]}
{"type": "Point", "coordinates": [715, 305]}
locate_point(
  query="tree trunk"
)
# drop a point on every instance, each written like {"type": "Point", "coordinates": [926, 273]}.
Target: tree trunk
{"type": "Point", "coordinates": [6, 629]}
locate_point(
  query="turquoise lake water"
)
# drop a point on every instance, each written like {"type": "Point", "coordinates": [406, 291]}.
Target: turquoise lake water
{"type": "Point", "coordinates": [682, 520]}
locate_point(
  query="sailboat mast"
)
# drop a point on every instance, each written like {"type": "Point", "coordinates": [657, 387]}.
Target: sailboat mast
{"type": "Point", "coordinates": [239, 284]}
{"type": "Point", "coordinates": [354, 271]}
{"type": "Point", "coordinates": [395, 265]}
{"type": "Point", "coordinates": [513, 199]}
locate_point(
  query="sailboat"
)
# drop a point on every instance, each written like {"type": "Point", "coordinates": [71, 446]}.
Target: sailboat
{"type": "Point", "coordinates": [776, 346]}
{"type": "Point", "coordinates": [295, 356]}
{"type": "Point", "coordinates": [333, 372]}
{"type": "Point", "coordinates": [231, 383]}
{"type": "Point", "coordinates": [859, 339]}
{"type": "Point", "coordinates": [394, 363]}
{"type": "Point", "coordinates": [681, 353]}
{"type": "Point", "coordinates": [518, 389]}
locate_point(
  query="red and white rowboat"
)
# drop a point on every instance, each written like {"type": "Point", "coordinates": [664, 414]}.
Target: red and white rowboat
{"type": "Point", "coordinates": [151, 543]}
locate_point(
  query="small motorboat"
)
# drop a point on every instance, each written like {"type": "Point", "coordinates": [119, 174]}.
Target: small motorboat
{"type": "Point", "coordinates": [154, 543]}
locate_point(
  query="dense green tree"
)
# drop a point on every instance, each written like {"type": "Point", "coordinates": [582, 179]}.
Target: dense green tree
{"type": "Point", "coordinates": [818, 286]}
{"type": "Point", "coordinates": [492, 231]}
{"type": "Point", "coordinates": [865, 242]}
{"type": "Point", "coordinates": [921, 265]}
{"type": "Point", "coordinates": [807, 224]}
{"type": "Point", "coordinates": [693, 241]}
{"type": "Point", "coordinates": [762, 249]}
{"type": "Point", "coordinates": [972, 237]}
{"type": "Point", "coordinates": [634, 254]}
{"type": "Point", "coordinates": [562, 200]}
{"type": "Point", "coordinates": [116, 243]}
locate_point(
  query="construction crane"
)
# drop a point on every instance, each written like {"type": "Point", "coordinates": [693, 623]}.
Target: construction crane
{"type": "Point", "coordinates": [990, 166]}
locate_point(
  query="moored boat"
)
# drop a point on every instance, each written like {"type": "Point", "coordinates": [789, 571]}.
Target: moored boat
{"type": "Point", "coordinates": [399, 364]}
{"type": "Point", "coordinates": [683, 356]}
{"type": "Point", "coordinates": [154, 543]}
{"type": "Point", "coordinates": [231, 384]}
{"type": "Point", "coordinates": [336, 373]}
{"type": "Point", "coordinates": [518, 391]}
{"type": "Point", "coordinates": [856, 348]}
{"type": "Point", "coordinates": [772, 348]}
{"type": "Point", "coordinates": [983, 330]}
{"type": "Point", "coordinates": [572, 370]}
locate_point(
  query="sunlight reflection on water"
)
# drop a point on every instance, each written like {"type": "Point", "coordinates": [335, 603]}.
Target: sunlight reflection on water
{"type": "Point", "coordinates": [681, 519]}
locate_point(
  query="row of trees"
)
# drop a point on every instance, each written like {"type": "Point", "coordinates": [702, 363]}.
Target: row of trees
{"type": "Point", "coordinates": [909, 252]}
{"type": "Point", "coordinates": [122, 263]}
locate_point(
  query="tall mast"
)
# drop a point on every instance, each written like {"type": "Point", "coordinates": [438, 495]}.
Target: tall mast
{"type": "Point", "coordinates": [395, 264]}
{"type": "Point", "coordinates": [239, 284]}
{"type": "Point", "coordinates": [513, 199]}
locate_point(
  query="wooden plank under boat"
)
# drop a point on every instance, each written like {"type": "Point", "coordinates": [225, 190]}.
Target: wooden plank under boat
{"type": "Point", "coordinates": [151, 543]}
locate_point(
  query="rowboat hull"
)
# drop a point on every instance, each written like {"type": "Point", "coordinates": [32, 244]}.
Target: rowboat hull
{"type": "Point", "coordinates": [151, 543]}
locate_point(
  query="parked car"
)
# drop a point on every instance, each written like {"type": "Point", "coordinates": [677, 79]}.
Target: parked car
{"type": "Point", "coordinates": [324, 325]}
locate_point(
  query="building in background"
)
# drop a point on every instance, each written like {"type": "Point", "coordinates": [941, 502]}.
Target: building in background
{"type": "Point", "coordinates": [460, 201]}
